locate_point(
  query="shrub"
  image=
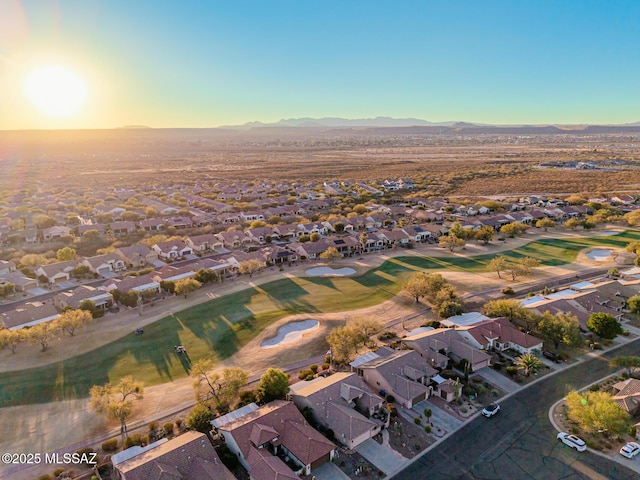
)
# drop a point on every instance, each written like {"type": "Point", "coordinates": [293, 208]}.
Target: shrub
{"type": "Point", "coordinates": [179, 422]}
{"type": "Point", "coordinates": [393, 411]}
{"type": "Point", "coordinates": [327, 359]}
{"type": "Point", "coordinates": [508, 291]}
{"type": "Point", "coordinates": [594, 388]}
{"type": "Point", "coordinates": [496, 366]}
{"type": "Point", "coordinates": [314, 368]}
{"type": "Point", "coordinates": [227, 457]}
{"type": "Point", "coordinates": [417, 421]}
{"type": "Point", "coordinates": [387, 335]}
{"type": "Point", "coordinates": [57, 472]}
{"type": "Point", "coordinates": [136, 439]}
{"type": "Point", "coordinates": [168, 428]}
{"type": "Point", "coordinates": [511, 370]}
{"type": "Point", "coordinates": [632, 430]}
{"type": "Point", "coordinates": [46, 476]}
{"type": "Point", "coordinates": [325, 366]}
{"type": "Point", "coordinates": [110, 445]}
{"type": "Point", "coordinates": [427, 412]}
{"type": "Point", "coordinates": [153, 426]}
{"type": "Point", "coordinates": [626, 333]}
{"type": "Point", "coordinates": [304, 374]}
{"type": "Point", "coordinates": [390, 399]}
{"type": "Point", "coordinates": [427, 428]}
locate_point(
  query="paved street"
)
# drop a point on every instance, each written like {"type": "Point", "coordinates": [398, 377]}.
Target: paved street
{"type": "Point", "coordinates": [520, 442]}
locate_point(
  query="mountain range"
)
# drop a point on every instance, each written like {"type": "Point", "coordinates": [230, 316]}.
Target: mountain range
{"type": "Point", "coordinates": [389, 125]}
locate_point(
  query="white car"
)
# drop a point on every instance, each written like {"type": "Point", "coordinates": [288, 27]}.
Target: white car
{"type": "Point", "coordinates": [630, 450]}
{"type": "Point", "coordinates": [490, 410]}
{"type": "Point", "coordinates": [572, 441]}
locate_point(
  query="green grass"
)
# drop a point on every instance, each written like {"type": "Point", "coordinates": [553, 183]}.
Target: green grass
{"type": "Point", "coordinates": [219, 328]}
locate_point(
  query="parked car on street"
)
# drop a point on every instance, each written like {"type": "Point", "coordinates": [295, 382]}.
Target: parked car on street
{"type": "Point", "coordinates": [630, 450]}
{"type": "Point", "coordinates": [572, 441]}
{"type": "Point", "coordinates": [490, 410]}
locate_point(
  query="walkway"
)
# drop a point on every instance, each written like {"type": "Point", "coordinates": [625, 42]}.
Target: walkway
{"type": "Point", "coordinates": [499, 380]}
{"type": "Point", "coordinates": [383, 458]}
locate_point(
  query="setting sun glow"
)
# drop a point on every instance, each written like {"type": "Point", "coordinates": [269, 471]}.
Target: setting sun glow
{"type": "Point", "coordinates": [56, 91]}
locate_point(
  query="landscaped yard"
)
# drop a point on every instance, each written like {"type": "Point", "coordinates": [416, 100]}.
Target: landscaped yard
{"type": "Point", "coordinates": [219, 328]}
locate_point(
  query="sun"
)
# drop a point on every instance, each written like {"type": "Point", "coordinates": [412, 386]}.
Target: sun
{"type": "Point", "coordinates": [56, 91]}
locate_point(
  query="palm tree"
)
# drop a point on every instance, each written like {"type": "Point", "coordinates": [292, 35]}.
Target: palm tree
{"type": "Point", "coordinates": [529, 363]}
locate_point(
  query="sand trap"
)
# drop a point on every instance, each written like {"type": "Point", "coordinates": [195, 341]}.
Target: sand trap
{"type": "Point", "coordinates": [290, 333]}
{"type": "Point", "coordinates": [606, 233]}
{"type": "Point", "coordinates": [599, 255]}
{"type": "Point", "coordinates": [327, 271]}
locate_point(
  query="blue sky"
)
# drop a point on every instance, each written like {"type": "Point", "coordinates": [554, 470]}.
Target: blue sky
{"type": "Point", "coordinates": [209, 63]}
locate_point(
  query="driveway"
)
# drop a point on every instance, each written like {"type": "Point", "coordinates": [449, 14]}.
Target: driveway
{"type": "Point", "coordinates": [439, 416]}
{"type": "Point", "coordinates": [381, 457]}
{"type": "Point", "coordinates": [329, 471]}
{"type": "Point", "coordinates": [499, 380]}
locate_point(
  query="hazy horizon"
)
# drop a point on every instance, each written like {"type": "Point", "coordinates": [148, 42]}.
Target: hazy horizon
{"type": "Point", "coordinates": [211, 64]}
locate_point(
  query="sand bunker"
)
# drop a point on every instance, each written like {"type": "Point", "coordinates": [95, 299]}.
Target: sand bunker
{"type": "Point", "coordinates": [606, 233]}
{"type": "Point", "coordinates": [290, 332]}
{"type": "Point", "coordinates": [599, 254]}
{"type": "Point", "coordinates": [327, 271]}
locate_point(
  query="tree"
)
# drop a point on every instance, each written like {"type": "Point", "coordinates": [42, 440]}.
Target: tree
{"type": "Point", "coordinates": [630, 363]}
{"type": "Point", "coordinates": [207, 276]}
{"type": "Point", "coordinates": [258, 224]}
{"type": "Point", "coordinates": [450, 308]}
{"type": "Point", "coordinates": [332, 254]}
{"type": "Point", "coordinates": [521, 267]}
{"type": "Point", "coordinates": [451, 242]}
{"type": "Point", "coordinates": [344, 343]}
{"type": "Point", "coordinates": [604, 325]}
{"type": "Point", "coordinates": [572, 223]}
{"type": "Point", "coordinates": [560, 329]}
{"type": "Point", "coordinates": [417, 286]}
{"type": "Point", "coordinates": [116, 401]}
{"type": "Point", "coordinates": [43, 333]}
{"type": "Point", "coordinates": [485, 234]}
{"type": "Point", "coordinates": [513, 228]}
{"type": "Point", "coordinates": [447, 293]}
{"type": "Point", "coordinates": [220, 386]}
{"type": "Point", "coordinates": [66, 254]}
{"type": "Point", "coordinates": [81, 271]}
{"type": "Point", "coordinates": [457, 231]}
{"type": "Point", "coordinates": [251, 266]}
{"type": "Point", "coordinates": [508, 308]}
{"type": "Point", "coordinates": [187, 286]}
{"type": "Point", "coordinates": [634, 304]}
{"type": "Point", "coordinates": [70, 320]}
{"type": "Point", "coordinates": [199, 418]}
{"type": "Point", "coordinates": [11, 339]}
{"type": "Point", "coordinates": [596, 411]}
{"type": "Point", "coordinates": [338, 227]}
{"type": "Point", "coordinates": [364, 238]}
{"type": "Point", "coordinates": [367, 326]}
{"type": "Point", "coordinates": [168, 286]}
{"type": "Point", "coordinates": [42, 221]}
{"type": "Point", "coordinates": [497, 264]}
{"type": "Point", "coordinates": [529, 363]}
{"type": "Point", "coordinates": [274, 385]}
{"type": "Point", "coordinates": [545, 223]}
{"type": "Point", "coordinates": [7, 289]}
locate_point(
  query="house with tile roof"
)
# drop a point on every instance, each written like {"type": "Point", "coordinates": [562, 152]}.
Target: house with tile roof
{"type": "Point", "coordinates": [274, 441]}
{"type": "Point", "coordinates": [137, 256]}
{"type": "Point", "coordinates": [73, 298]}
{"type": "Point", "coordinates": [105, 264]}
{"type": "Point", "coordinates": [401, 373]}
{"type": "Point", "coordinates": [431, 344]}
{"type": "Point", "coordinates": [172, 249]}
{"type": "Point", "coordinates": [189, 456]}
{"type": "Point", "coordinates": [57, 272]}
{"type": "Point", "coordinates": [500, 334]}
{"type": "Point", "coordinates": [343, 403]}
{"type": "Point", "coordinates": [627, 395]}
{"type": "Point", "coordinates": [28, 315]}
